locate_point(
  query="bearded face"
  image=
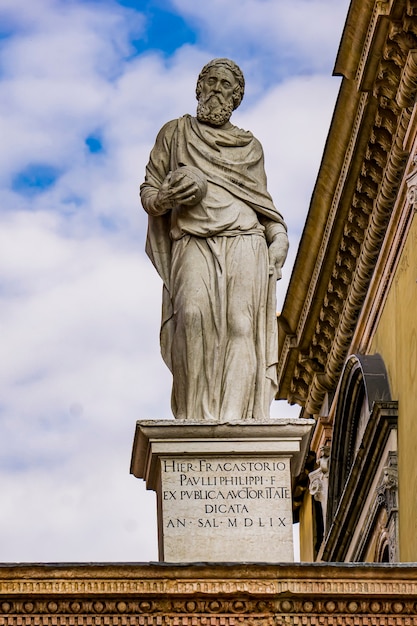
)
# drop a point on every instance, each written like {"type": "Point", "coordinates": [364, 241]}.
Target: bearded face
{"type": "Point", "coordinates": [214, 110]}
{"type": "Point", "coordinates": [215, 104]}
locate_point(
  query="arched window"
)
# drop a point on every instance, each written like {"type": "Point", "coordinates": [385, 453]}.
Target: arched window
{"type": "Point", "coordinates": [362, 465]}
{"type": "Point", "coordinates": [364, 381]}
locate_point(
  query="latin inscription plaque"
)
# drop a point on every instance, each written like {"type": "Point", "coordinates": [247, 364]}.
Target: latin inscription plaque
{"type": "Point", "coordinates": [226, 509]}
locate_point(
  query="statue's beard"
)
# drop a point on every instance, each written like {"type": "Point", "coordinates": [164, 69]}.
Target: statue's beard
{"type": "Point", "coordinates": [216, 113]}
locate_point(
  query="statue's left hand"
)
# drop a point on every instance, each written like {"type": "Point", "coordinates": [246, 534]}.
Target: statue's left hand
{"type": "Point", "coordinates": [277, 254]}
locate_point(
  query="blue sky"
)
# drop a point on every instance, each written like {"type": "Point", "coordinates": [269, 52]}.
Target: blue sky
{"type": "Point", "coordinates": [84, 88]}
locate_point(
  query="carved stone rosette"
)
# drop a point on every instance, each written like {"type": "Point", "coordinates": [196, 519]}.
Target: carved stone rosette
{"type": "Point", "coordinates": [219, 595]}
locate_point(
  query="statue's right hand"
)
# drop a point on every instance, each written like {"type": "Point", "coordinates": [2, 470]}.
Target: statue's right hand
{"type": "Point", "coordinates": [164, 199]}
{"type": "Point", "coordinates": [176, 190]}
{"type": "Point", "coordinates": [183, 188]}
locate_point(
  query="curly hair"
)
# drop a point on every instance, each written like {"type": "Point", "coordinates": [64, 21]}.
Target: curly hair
{"type": "Point", "coordinates": [238, 91]}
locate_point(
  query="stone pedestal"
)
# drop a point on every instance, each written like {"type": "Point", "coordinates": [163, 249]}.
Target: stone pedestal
{"type": "Point", "coordinates": [223, 489]}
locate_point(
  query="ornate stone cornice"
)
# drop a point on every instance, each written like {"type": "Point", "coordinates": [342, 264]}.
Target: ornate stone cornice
{"type": "Point", "coordinates": [215, 595]}
{"type": "Point", "coordinates": [359, 212]}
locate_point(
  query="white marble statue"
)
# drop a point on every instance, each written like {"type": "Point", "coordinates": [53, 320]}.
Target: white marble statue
{"type": "Point", "coordinates": [218, 243]}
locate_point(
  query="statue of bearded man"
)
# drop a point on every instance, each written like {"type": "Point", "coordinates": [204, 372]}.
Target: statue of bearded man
{"type": "Point", "coordinates": [218, 243]}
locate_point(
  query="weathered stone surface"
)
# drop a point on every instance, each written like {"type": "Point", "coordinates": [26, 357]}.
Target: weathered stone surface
{"type": "Point", "coordinates": [215, 595]}
{"type": "Point", "coordinates": [224, 490]}
{"type": "Point", "coordinates": [218, 243]}
{"type": "Point", "coordinates": [226, 509]}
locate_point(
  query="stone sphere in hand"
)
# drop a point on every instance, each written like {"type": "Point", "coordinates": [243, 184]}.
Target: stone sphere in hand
{"type": "Point", "coordinates": [190, 173]}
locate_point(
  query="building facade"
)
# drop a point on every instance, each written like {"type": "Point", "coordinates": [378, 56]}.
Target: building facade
{"type": "Point", "coordinates": [348, 329]}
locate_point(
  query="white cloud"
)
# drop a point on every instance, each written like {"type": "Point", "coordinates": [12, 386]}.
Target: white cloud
{"type": "Point", "coordinates": [79, 302]}
{"type": "Point", "coordinates": [58, 75]}
{"type": "Point", "coordinates": [289, 36]}
{"type": "Point", "coordinates": [65, 518]}
{"type": "Point", "coordinates": [79, 323]}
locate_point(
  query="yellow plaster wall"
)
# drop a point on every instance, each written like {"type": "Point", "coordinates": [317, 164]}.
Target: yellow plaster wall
{"type": "Point", "coordinates": [396, 341]}
{"type": "Point", "coordinates": [307, 531]}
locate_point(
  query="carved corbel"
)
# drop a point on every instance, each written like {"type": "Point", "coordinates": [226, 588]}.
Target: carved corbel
{"type": "Point", "coordinates": [319, 480]}
{"type": "Point", "coordinates": [411, 7]}
{"type": "Point", "coordinates": [406, 95]}
{"type": "Point", "coordinates": [299, 389]}
{"type": "Point", "coordinates": [311, 363]}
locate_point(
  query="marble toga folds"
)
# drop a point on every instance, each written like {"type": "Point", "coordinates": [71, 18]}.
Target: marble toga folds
{"type": "Point", "coordinates": [219, 331]}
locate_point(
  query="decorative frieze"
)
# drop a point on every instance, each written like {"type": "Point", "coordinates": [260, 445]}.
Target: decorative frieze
{"type": "Point", "coordinates": [201, 611]}
{"type": "Point", "coordinates": [200, 595]}
{"type": "Point", "coordinates": [376, 188]}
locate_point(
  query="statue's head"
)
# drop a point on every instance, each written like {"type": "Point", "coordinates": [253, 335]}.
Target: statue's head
{"type": "Point", "coordinates": [239, 88]}
{"type": "Point", "coordinates": [220, 89]}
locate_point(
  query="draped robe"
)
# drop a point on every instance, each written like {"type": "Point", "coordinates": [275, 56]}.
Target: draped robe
{"type": "Point", "coordinates": [219, 330]}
